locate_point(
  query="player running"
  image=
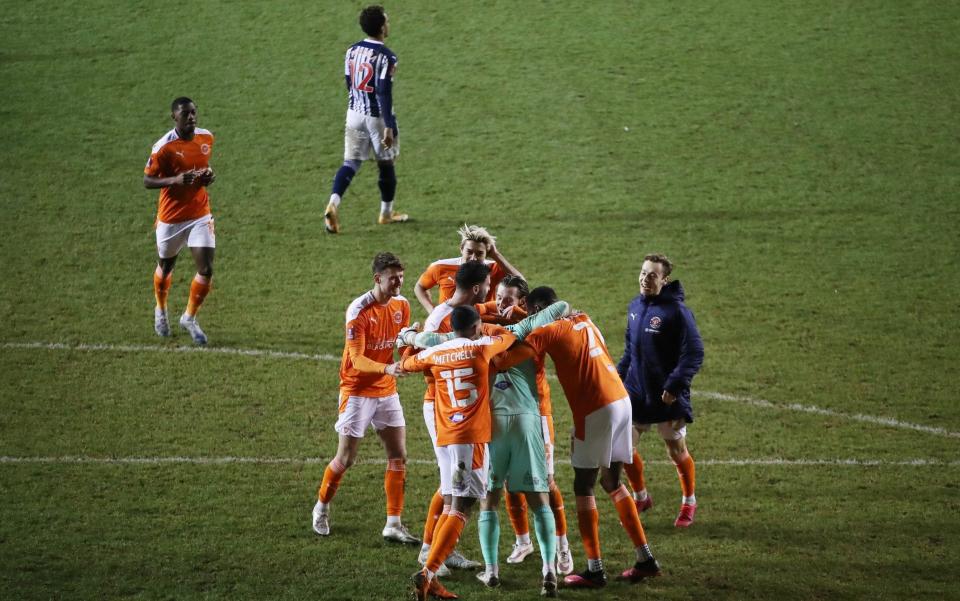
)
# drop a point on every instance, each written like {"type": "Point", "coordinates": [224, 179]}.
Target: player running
{"type": "Point", "coordinates": [368, 395]}
{"type": "Point", "coordinates": [179, 165]}
{"type": "Point", "coordinates": [371, 126]}
{"type": "Point", "coordinates": [662, 354]}
{"type": "Point", "coordinates": [476, 244]}
{"type": "Point", "coordinates": [461, 371]}
{"type": "Point", "coordinates": [601, 437]}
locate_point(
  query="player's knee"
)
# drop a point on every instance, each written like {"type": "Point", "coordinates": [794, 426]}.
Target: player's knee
{"type": "Point", "coordinates": [352, 164]}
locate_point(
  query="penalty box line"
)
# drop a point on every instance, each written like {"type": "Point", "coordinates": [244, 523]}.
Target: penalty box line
{"type": "Point", "coordinates": [716, 396]}
{"type": "Point", "coordinates": [230, 460]}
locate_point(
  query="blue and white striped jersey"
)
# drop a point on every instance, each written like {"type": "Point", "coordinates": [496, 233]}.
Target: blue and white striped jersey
{"type": "Point", "coordinates": [368, 67]}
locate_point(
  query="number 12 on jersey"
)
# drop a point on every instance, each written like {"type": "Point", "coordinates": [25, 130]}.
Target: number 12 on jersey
{"type": "Point", "coordinates": [361, 77]}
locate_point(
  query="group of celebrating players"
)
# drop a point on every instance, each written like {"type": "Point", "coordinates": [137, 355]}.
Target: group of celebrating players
{"type": "Point", "coordinates": [482, 350]}
{"type": "Point", "coordinates": [488, 411]}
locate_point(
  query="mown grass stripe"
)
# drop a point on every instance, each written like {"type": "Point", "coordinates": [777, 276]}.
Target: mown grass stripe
{"type": "Point", "coordinates": [229, 460]}
{"type": "Point", "coordinates": [704, 394]}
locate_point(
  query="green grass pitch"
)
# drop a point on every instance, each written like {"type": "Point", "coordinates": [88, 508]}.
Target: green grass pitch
{"type": "Point", "coordinates": [798, 161]}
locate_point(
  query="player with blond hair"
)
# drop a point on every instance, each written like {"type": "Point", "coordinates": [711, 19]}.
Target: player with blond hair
{"type": "Point", "coordinates": [476, 244]}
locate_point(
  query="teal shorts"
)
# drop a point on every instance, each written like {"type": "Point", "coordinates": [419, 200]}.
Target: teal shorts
{"type": "Point", "coordinates": [517, 454]}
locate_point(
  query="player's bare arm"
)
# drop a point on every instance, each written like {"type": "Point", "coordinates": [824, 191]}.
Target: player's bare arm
{"type": "Point", "coordinates": [181, 179]}
{"type": "Point", "coordinates": [494, 253]}
{"type": "Point", "coordinates": [423, 295]}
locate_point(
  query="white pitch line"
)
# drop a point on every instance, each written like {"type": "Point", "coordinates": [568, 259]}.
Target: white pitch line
{"type": "Point", "coordinates": [717, 396]}
{"type": "Point", "coordinates": [773, 462]}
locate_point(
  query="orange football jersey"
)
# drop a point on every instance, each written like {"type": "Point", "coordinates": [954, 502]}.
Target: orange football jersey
{"type": "Point", "coordinates": [584, 366]}
{"type": "Point", "coordinates": [461, 369]}
{"type": "Point", "coordinates": [172, 156]}
{"type": "Point", "coordinates": [372, 331]}
{"type": "Point", "coordinates": [443, 273]}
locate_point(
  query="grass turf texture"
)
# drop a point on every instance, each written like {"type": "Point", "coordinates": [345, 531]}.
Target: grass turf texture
{"type": "Point", "coordinates": [797, 162]}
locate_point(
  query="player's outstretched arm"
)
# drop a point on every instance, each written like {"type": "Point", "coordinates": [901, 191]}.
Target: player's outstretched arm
{"type": "Point", "coordinates": [186, 178]}
{"type": "Point", "coordinates": [428, 339]}
{"type": "Point", "coordinates": [519, 353]}
{"type": "Point", "coordinates": [423, 295]}
{"type": "Point", "coordinates": [549, 315]}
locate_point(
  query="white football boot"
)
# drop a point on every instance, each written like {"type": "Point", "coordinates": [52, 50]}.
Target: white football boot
{"type": "Point", "coordinates": [520, 552]}
{"type": "Point", "coordinates": [457, 561]}
{"type": "Point", "coordinates": [161, 325]}
{"type": "Point", "coordinates": [564, 562]}
{"type": "Point", "coordinates": [321, 521]}
{"type": "Point", "coordinates": [190, 325]}
{"type": "Point", "coordinates": [400, 534]}
{"type": "Point", "coordinates": [422, 560]}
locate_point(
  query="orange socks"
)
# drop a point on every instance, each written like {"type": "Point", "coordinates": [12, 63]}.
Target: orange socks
{"type": "Point", "coordinates": [556, 504]}
{"type": "Point", "coordinates": [161, 287]}
{"type": "Point", "coordinates": [588, 520]}
{"type": "Point", "coordinates": [688, 475]}
{"type": "Point", "coordinates": [199, 288]}
{"type": "Point", "coordinates": [445, 540]}
{"type": "Point", "coordinates": [393, 481]}
{"type": "Point", "coordinates": [517, 510]}
{"type": "Point", "coordinates": [433, 516]}
{"type": "Point", "coordinates": [634, 472]}
{"type": "Point", "coordinates": [331, 479]}
{"type": "Point", "coordinates": [627, 510]}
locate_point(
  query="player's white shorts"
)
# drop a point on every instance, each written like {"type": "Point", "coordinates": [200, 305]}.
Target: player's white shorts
{"type": "Point", "coordinates": [469, 468]}
{"type": "Point", "coordinates": [607, 437]}
{"type": "Point", "coordinates": [357, 413]}
{"type": "Point", "coordinates": [672, 430]}
{"type": "Point", "coordinates": [362, 135]}
{"type": "Point", "coordinates": [443, 458]}
{"type": "Point", "coordinates": [546, 424]}
{"type": "Point", "coordinates": [171, 237]}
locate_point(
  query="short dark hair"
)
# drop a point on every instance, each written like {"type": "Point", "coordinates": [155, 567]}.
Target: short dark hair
{"type": "Point", "coordinates": [384, 261]}
{"type": "Point", "coordinates": [541, 297]}
{"type": "Point", "coordinates": [662, 260]}
{"type": "Point", "coordinates": [178, 102]}
{"type": "Point", "coordinates": [372, 19]}
{"type": "Point", "coordinates": [463, 317]}
{"type": "Point", "coordinates": [515, 281]}
{"type": "Point", "coordinates": [470, 274]}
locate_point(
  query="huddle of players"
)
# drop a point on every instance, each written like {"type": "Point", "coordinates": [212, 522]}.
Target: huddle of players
{"type": "Point", "coordinates": [487, 436]}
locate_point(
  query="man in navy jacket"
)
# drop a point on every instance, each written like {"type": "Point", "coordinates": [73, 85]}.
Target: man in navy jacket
{"type": "Point", "coordinates": [663, 352]}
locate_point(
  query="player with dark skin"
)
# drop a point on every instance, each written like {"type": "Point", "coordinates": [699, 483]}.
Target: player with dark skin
{"type": "Point", "coordinates": [185, 119]}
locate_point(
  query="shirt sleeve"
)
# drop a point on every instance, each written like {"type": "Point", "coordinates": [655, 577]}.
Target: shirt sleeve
{"type": "Point", "coordinates": [429, 278]}
{"type": "Point", "coordinates": [624, 365]}
{"type": "Point", "coordinates": [385, 90]}
{"type": "Point", "coordinates": [356, 343]}
{"type": "Point", "coordinates": [428, 339]}
{"type": "Point", "coordinates": [416, 362]}
{"type": "Point", "coordinates": [552, 313]}
{"type": "Point", "coordinates": [691, 354]}
{"type": "Point", "coordinates": [515, 356]}
{"type": "Point", "coordinates": [153, 168]}
{"type": "Point", "coordinates": [497, 344]}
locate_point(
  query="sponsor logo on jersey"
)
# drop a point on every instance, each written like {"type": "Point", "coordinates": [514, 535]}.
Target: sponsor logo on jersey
{"type": "Point", "coordinates": [502, 385]}
{"type": "Point", "coordinates": [380, 345]}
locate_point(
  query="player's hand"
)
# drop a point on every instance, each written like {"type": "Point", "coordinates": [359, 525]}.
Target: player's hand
{"type": "Point", "coordinates": [207, 176]}
{"type": "Point", "coordinates": [388, 137]}
{"type": "Point", "coordinates": [395, 370]}
{"type": "Point", "coordinates": [492, 251]}
{"type": "Point", "coordinates": [188, 177]}
{"type": "Point", "coordinates": [668, 397]}
{"type": "Point", "coordinates": [408, 334]}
